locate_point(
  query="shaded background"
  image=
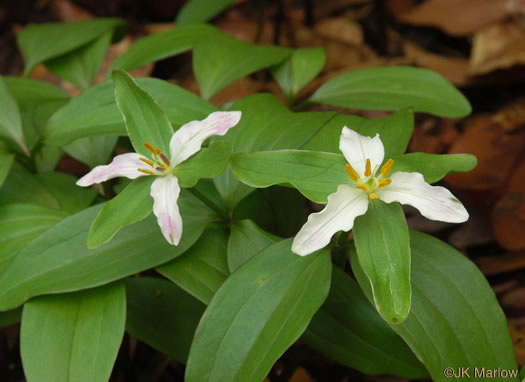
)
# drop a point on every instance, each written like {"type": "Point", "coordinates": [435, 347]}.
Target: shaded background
{"type": "Point", "coordinates": [478, 45]}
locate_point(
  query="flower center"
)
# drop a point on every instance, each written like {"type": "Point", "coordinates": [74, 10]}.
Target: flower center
{"type": "Point", "coordinates": [160, 162]}
{"type": "Point", "coordinates": [370, 182]}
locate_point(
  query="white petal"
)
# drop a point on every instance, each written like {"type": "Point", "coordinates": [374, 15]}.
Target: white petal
{"type": "Point", "coordinates": [434, 202]}
{"type": "Point", "coordinates": [357, 149]}
{"type": "Point", "coordinates": [165, 192]}
{"type": "Point", "coordinates": [342, 208]}
{"type": "Point", "coordinates": [188, 139]}
{"type": "Point", "coordinates": [126, 165]}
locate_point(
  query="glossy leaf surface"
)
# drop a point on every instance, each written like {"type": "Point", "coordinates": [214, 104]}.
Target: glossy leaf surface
{"type": "Point", "coordinates": [95, 112]}
{"type": "Point", "coordinates": [257, 314]}
{"type": "Point", "coordinates": [21, 223]}
{"type": "Point", "coordinates": [131, 205]}
{"type": "Point", "coordinates": [448, 325]}
{"type": "Point", "coordinates": [203, 268]}
{"type": "Point", "coordinates": [348, 329]}
{"type": "Point", "coordinates": [145, 121]}
{"type": "Point", "coordinates": [299, 69]}
{"type": "Point", "coordinates": [161, 45]}
{"type": "Point", "coordinates": [73, 336]}
{"type": "Point", "coordinates": [219, 60]}
{"type": "Point", "coordinates": [34, 39]}
{"type": "Point", "coordinates": [58, 260]}
{"type": "Point", "coordinates": [393, 88]}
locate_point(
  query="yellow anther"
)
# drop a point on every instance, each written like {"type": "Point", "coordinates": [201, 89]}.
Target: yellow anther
{"type": "Point", "coordinates": [157, 152]}
{"type": "Point", "coordinates": [373, 196]}
{"type": "Point", "coordinates": [145, 171]}
{"type": "Point", "coordinates": [351, 173]}
{"type": "Point", "coordinates": [147, 161]}
{"type": "Point", "coordinates": [368, 169]}
{"type": "Point", "coordinates": [383, 182]}
{"type": "Point", "coordinates": [362, 187]}
{"type": "Point", "coordinates": [150, 148]}
{"type": "Point", "coordinates": [387, 167]}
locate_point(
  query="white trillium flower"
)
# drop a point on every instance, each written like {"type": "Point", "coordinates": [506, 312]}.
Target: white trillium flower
{"type": "Point", "coordinates": [165, 190]}
{"type": "Point", "coordinates": [364, 156]}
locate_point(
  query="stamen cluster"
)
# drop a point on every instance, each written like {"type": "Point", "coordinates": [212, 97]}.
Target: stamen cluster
{"type": "Point", "coordinates": [369, 182]}
{"type": "Point", "coordinates": [160, 162]}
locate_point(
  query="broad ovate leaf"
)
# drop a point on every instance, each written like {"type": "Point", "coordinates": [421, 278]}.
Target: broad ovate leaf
{"type": "Point", "coordinates": [298, 70]}
{"type": "Point", "coordinates": [349, 330]}
{"type": "Point", "coordinates": [219, 60]}
{"type": "Point", "coordinates": [145, 121]}
{"type": "Point", "coordinates": [94, 112]}
{"type": "Point", "coordinates": [260, 311]}
{"type": "Point", "coordinates": [161, 45]}
{"type": "Point", "coordinates": [455, 320]}
{"type": "Point", "coordinates": [73, 336]}
{"type": "Point", "coordinates": [393, 88]}
{"type": "Point", "coordinates": [383, 249]}
{"type": "Point", "coordinates": [59, 261]}
{"type": "Point", "coordinates": [34, 39]}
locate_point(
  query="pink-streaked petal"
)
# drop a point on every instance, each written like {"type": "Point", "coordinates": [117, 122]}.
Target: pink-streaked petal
{"type": "Point", "coordinates": [342, 208]}
{"type": "Point", "coordinates": [357, 148]}
{"type": "Point", "coordinates": [125, 165]}
{"type": "Point", "coordinates": [434, 202]}
{"type": "Point", "coordinates": [165, 192]}
{"type": "Point", "coordinates": [189, 138]}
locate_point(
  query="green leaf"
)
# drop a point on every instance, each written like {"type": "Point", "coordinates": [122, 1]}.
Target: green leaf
{"type": "Point", "coordinates": [74, 336]}
{"type": "Point", "coordinates": [219, 60]}
{"type": "Point", "coordinates": [145, 121]}
{"type": "Point", "coordinates": [21, 186]}
{"type": "Point", "coordinates": [198, 11]}
{"type": "Point", "coordinates": [246, 240]}
{"type": "Point", "coordinates": [348, 329]}
{"type": "Point", "coordinates": [63, 187]}
{"type": "Point", "coordinates": [393, 88]}
{"type": "Point", "coordinates": [131, 205]}
{"type": "Point", "coordinates": [207, 163]}
{"type": "Point", "coordinates": [82, 64]}
{"type": "Point", "coordinates": [298, 70]}
{"type": "Point", "coordinates": [10, 317]}
{"type": "Point", "coordinates": [58, 260]}
{"type": "Point", "coordinates": [434, 167]}
{"type": "Point", "coordinates": [203, 268]}
{"type": "Point", "coordinates": [259, 312]}
{"type": "Point", "coordinates": [37, 101]}
{"type": "Point", "coordinates": [162, 315]}
{"type": "Point", "coordinates": [92, 151]}
{"type": "Point", "coordinates": [383, 249]}
{"type": "Point", "coordinates": [10, 119]}
{"type": "Point", "coordinates": [6, 162]}
{"type": "Point", "coordinates": [278, 210]}
{"type": "Point", "coordinates": [316, 175]}
{"type": "Point", "coordinates": [21, 223]}
{"type": "Point", "coordinates": [34, 39]}
{"type": "Point", "coordinates": [47, 158]}
{"type": "Point", "coordinates": [30, 93]}
{"type": "Point", "coordinates": [161, 45]}
{"type": "Point", "coordinates": [267, 125]}
{"type": "Point", "coordinates": [95, 112]}
{"type": "Point", "coordinates": [448, 325]}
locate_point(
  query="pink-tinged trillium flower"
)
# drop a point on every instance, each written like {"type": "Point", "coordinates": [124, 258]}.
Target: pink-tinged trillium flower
{"type": "Point", "coordinates": [165, 190]}
{"type": "Point", "coordinates": [364, 156]}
